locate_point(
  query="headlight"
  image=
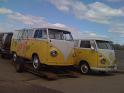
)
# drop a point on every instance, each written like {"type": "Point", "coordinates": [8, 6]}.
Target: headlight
{"type": "Point", "coordinates": [103, 61]}
{"type": "Point", "coordinates": [53, 53]}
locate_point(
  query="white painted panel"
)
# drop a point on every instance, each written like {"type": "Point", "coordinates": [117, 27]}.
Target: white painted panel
{"type": "Point", "coordinates": [66, 47]}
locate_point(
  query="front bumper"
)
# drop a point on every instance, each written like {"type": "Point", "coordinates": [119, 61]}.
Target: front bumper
{"type": "Point", "coordinates": [106, 69]}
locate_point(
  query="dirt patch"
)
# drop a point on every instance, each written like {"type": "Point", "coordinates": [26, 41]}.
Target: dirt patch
{"type": "Point", "coordinates": [21, 87]}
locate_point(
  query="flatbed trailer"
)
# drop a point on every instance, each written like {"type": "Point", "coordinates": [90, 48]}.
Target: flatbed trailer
{"type": "Point", "coordinates": [49, 73]}
{"type": "Point", "coordinates": [52, 73]}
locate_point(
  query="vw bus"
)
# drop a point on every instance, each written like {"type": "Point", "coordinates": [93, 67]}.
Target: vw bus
{"type": "Point", "coordinates": [95, 53]}
{"type": "Point", "coordinates": [49, 45]}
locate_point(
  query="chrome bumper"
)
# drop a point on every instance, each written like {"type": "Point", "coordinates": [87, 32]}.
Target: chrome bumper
{"type": "Point", "coordinates": [106, 69]}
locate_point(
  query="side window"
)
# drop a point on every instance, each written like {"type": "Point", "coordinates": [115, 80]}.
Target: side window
{"type": "Point", "coordinates": [85, 44]}
{"type": "Point", "coordinates": [44, 32]}
{"type": "Point", "coordinates": [93, 44]}
{"type": "Point", "coordinates": [68, 36]}
{"type": "Point", "coordinates": [51, 35]}
{"type": "Point", "coordinates": [30, 33]}
{"type": "Point", "coordinates": [38, 34]}
{"type": "Point", "coordinates": [55, 35]}
{"type": "Point", "coordinates": [20, 33]}
{"type": "Point", "coordinates": [25, 34]}
{"type": "Point", "coordinates": [15, 34]}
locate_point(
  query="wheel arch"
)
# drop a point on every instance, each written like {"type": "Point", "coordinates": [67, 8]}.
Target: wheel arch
{"type": "Point", "coordinates": [84, 61]}
{"type": "Point", "coordinates": [34, 54]}
{"type": "Point", "coordinates": [13, 52]}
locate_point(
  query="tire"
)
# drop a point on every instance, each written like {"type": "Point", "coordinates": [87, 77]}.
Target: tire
{"type": "Point", "coordinates": [84, 68]}
{"type": "Point", "coordinates": [36, 62]}
{"type": "Point", "coordinates": [14, 57]}
{"type": "Point", "coordinates": [18, 64]}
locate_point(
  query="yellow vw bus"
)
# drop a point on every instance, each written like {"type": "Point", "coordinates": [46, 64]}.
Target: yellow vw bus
{"type": "Point", "coordinates": [47, 45]}
{"type": "Point", "coordinates": [95, 53]}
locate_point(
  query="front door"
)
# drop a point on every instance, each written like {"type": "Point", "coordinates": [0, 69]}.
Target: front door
{"type": "Point", "coordinates": [87, 54]}
{"type": "Point", "coordinates": [63, 44]}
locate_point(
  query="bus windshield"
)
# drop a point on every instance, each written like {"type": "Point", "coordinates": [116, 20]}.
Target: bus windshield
{"type": "Point", "coordinates": [104, 44]}
{"type": "Point", "coordinates": [59, 34]}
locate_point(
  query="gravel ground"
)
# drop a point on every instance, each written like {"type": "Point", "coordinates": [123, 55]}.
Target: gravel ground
{"type": "Point", "coordinates": [13, 82]}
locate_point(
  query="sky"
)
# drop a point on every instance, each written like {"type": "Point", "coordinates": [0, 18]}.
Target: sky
{"type": "Point", "coordinates": [93, 17]}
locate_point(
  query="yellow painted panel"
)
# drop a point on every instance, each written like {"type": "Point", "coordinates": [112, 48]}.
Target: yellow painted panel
{"type": "Point", "coordinates": [88, 55]}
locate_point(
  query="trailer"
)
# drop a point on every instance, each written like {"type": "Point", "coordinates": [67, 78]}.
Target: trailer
{"type": "Point", "coordinates": [46, 72]}
{"type": "Point", "coordinates": [5, 43]}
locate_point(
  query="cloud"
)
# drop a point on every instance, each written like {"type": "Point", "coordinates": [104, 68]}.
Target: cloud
{"type": "Point", "coordinates": [86, 34]}
{"type": "Point", "coordinates": [105, 10]}
{"type": "Point", "coordinates": [5, 11]}
{"type": "Point", "coordinates": [28, 20]}
{"type": "Point", "coordinates": [115, 0]}
{"type": "Point", "coordinates": [96, 12]}
{"type": "Point", "coordinates": [62, 5]}
{"type": "Point", "coordinates": [59, 25]}
{"type": "Point", "coordinates": [6, 27]}
{"type": "Point", "coordinates": [117, 28]}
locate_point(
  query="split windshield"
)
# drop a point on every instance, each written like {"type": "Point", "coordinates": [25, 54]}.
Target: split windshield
{"type": "Point", "coordinates": [104, 44]}
{"type": "Point", "coordinates": [59, 34]}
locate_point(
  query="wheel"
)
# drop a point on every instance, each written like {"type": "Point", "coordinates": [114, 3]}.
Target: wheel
{"type": "Point", "coordinates": [84, 68]}
{"type": "Point", "coordinates": [36, 62]}
{"type": "Point", "coordinates": [18, 64]}
{"type": "Point", "coordinates": [14, 57]}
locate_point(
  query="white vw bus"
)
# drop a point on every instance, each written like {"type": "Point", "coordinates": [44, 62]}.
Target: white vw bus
{"type": "Point", "coordinates": [47, 45]}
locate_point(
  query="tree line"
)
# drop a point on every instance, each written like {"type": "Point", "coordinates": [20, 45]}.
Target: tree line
{"type": "Point", "coordinates": [118, 47]}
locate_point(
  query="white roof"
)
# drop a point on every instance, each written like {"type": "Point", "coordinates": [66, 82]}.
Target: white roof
{"type": "Point", "coordinates": [5, 32]}
{"type": "Point", "coordinates": [88, 37]}
{"type": "Point", "coordinates": [50, 27]}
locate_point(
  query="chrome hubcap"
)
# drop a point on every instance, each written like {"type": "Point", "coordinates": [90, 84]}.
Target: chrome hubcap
{"type": "Point", "coordinates": [35, 62]}
{"type": "Point", "coordinates": [84, 69]}
{"type": "Point", "coordinates": [14, 57]}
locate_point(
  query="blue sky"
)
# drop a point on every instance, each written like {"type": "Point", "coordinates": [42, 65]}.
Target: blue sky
{"type": "Point", "coordinates": [94, 17]}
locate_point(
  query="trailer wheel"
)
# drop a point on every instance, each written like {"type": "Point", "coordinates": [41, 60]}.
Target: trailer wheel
{"type": "Point", "coordinates": [19, 67]}
{"type": "Point", "coordinates": [18, 64]}
{"type": "Point", "coordinates": [14, 57]}
{"type": "Point", "coordinates": [36, 62]}
{"type": "Point", "coordinates": [84, 68]}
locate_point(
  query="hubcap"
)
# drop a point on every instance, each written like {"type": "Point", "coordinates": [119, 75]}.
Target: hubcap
{"type": "Point", "coordinates": [14, 57]}
{"type": "Point", "coordinates": [84, 69]}
{"type": "Point", "coordinates": [35, 62]}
